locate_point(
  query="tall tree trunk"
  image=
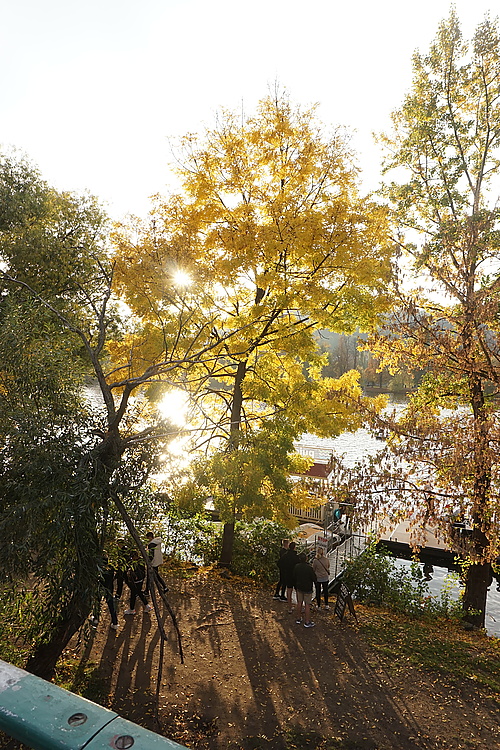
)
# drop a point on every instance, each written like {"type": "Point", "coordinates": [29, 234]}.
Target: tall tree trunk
{"type": "Point", "coordinates": [479, 573]}
{"type": "Point", "coordinates": [43, 659]}
{"type": "Point", "coordinates": [476, 590]}
{"type": "Point", "coordinates": [226, 555]}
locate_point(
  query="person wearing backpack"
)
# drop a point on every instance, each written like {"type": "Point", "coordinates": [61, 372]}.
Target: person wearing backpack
{"type": "Point", "coordinates": [304, 577]}
{"type": "Point", "coordinates": [135, 575]}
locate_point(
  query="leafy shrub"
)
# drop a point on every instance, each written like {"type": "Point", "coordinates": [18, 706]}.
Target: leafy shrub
{"type": "Point", "coordinates": [256, 543]}
{"type": "Point", "coordinates": [208, 545]}
{"type": "Point", "coordinates": [189, 537]}
{"type": "Point", "coordinates": [374, 578]}
{"type": "Point", "coordinates": [368, 576]}
{"type": "Point", "coordinates": [255, 551]}
{"type": "Point", "coordinates": [13, 626]}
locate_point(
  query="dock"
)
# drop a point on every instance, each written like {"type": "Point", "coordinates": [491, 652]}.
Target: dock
{"type": "Point", "coordinates": [433, 552]}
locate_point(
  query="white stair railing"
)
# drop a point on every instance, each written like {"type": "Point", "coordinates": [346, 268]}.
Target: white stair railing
{"type": "Point", "coordinates": [352, 546]}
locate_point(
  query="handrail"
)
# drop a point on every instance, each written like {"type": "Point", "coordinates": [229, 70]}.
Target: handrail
{"type": "Point", "coordinates": [352, 546]}
{"type": "Point", "coordinates": [45, 717]}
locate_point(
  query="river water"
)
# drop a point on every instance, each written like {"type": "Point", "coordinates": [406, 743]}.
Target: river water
{"type": "Point", "coordinates": [353, 447]}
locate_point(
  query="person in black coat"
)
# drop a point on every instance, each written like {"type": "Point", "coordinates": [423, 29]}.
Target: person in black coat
{"type": "Point", "coordinates": [280, 590]}
{"type": "Point", "coordinates": [135, 577]}
{"type": "Point", "coordinates": [287, 564]}
{"type": "Point", "coordinates": [108, 582]}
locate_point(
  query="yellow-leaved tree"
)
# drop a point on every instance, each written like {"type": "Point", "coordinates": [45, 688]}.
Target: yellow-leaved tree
{"type": "Point", "coordinates": [274, 242]}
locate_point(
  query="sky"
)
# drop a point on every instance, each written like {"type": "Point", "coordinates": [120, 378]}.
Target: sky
{"type": "Point", "coordinates": [96, 92]}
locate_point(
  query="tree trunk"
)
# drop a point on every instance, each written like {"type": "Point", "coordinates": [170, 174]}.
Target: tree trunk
{"type": "Point", "coordinates": [478, 579]}
{"type": "Point", "coordinates": [476, 590]}
{"type": "Point", "coordinates": [226, 555]}
{"type": "Point", "coordinates": [42, 661]}
{"type": "Point", "coordinates": [479, 572]}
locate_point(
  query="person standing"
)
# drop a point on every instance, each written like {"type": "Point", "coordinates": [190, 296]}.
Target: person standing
{"type": "Point", "coordinates": [304, 577]}
{"type": "Point", "coordinates": [107, 581]}
{"type": "Point", "coordinates": [321, 566]}
{"type": "Point", "coordinates": [122, 557]}
{"type": "Point", "coordinates": [136, 573]}
{"type": "Point", "coordinates": [288, 563]}
{"type": "Point", "coordinates": [156, 558]}
{"type": "Point", "coordinates": [280, 591]}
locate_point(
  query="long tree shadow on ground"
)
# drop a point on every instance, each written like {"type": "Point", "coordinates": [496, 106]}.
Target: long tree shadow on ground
{"type": "Point", "coordinates": [253, 678]}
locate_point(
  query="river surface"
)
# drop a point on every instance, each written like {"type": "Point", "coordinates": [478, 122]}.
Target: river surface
{"type": "Point", "coordinates": [354, 446]}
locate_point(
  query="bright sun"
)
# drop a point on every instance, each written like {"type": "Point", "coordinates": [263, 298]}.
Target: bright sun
{"type": "Point", "coordinates": [182, 278]}
{"type": "Point", "coordinates": [173, 407]}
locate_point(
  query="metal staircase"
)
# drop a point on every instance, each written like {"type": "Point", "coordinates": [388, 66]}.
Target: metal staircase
{"type": "Point", "coordinates": [352, 546]}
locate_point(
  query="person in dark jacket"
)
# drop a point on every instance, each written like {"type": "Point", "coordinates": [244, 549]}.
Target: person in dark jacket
{"type": "Point", "coordinates": [287, 564]}
{"type": "Point", "coordinates": [107, 580]}
{"type": "Point", "coordinates": [122, 558]}
{"type": "Point", "coordinates": [280, 590]}
{"type": "Point", "coordinates": [304, 579]}
{"type": "Point", "coordinates": [136, 573]}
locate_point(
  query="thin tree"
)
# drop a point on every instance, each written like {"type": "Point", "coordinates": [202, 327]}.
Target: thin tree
{"type": "Point", "coordinates": [62, 462]}
{"type": "Point", "coordinates": [445, 146]}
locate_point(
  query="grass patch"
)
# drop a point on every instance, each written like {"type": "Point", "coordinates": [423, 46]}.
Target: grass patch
{"type": "Point", "coordinates": [82, 679]}
{"type": "Point", "coordinates": [13, 653]}
{"type": "Point", "coordinates": [435, 646]}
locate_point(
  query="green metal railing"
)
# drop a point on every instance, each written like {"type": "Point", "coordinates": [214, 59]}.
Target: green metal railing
{"type": "Point", "coordinates": [44, 717]}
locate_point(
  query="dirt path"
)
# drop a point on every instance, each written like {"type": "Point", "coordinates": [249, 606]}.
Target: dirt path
{"type": "Point", "coordinates": [252, 678]}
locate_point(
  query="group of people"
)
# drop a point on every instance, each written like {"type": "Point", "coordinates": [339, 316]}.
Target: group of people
{"type": "Point", "coordinates": [309, 580]}
{"type": "Point", "coordinates": [132, 572]}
